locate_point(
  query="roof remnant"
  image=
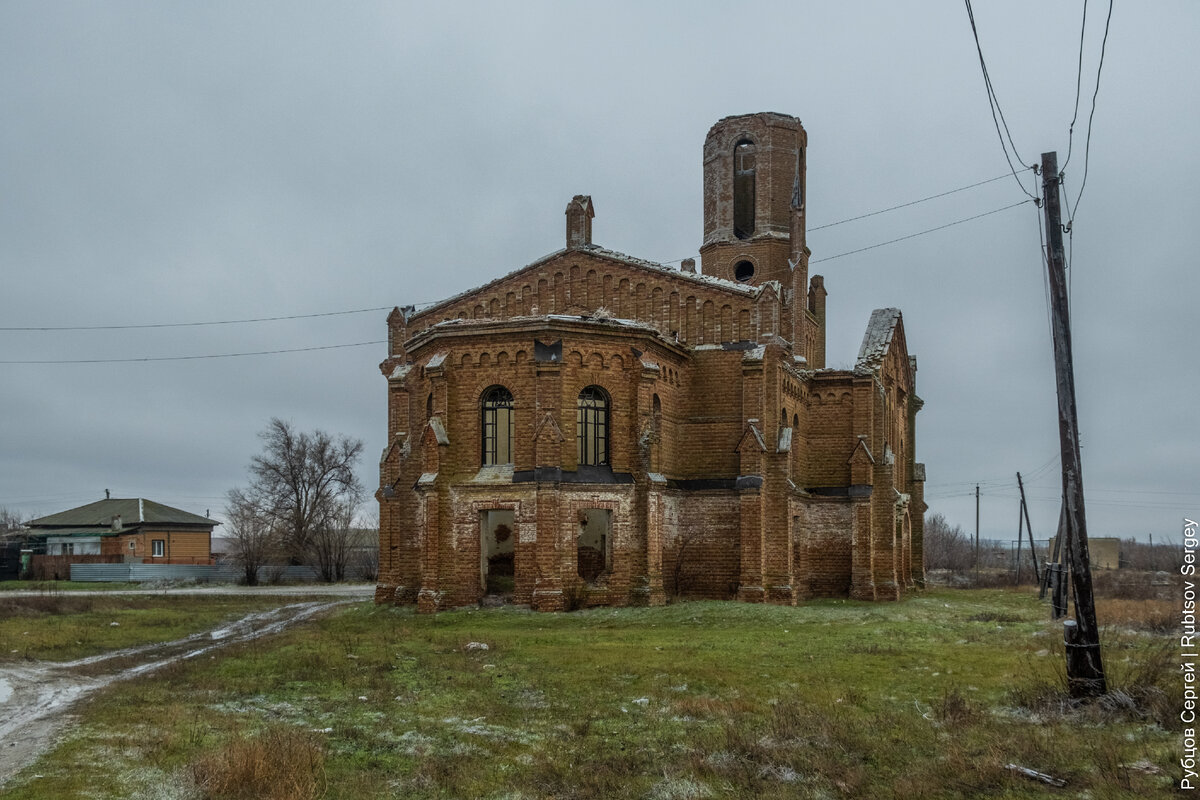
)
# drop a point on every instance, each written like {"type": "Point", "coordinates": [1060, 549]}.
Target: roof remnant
{"type": "Point", "coordinates": [878, 337]}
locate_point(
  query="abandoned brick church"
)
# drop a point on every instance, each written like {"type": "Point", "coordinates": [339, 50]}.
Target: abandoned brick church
{"type": "Point", "coordinates": [596, 429]}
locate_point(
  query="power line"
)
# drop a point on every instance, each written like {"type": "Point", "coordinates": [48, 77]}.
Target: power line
{"type": "Point", "coordinates": [881, 211]}
{"type": "Point", "coordinates": [194, 358]}
{"type": "Point", "coordinates": [1088, 144]}
{"type": "Point", "coordinates": [189, 324]}
{"type": "Point", "coordinates": [1078, 84]}
{"type": "Point", "coordinates": [994, 105]}
{"type": "Point", "coordinates": [906, 205]}
{"type": "Point", "coordinates": [921, 233]}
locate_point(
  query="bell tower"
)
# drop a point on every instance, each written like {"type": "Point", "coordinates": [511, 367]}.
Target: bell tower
{"type": "Point", "coordinates": [754, 196]}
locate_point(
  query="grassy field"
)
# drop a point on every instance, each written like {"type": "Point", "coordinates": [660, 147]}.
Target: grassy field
{"type": "Point", "coordinates": [61, 627]}
{"type": "Point", "coordinates": [54, 587]}
{"type": "Point", "coordinates": [931, 697]}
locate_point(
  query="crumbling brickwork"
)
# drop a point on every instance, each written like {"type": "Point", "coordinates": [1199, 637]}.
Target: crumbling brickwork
{"type": "Point", "coordinates": [645, 431]}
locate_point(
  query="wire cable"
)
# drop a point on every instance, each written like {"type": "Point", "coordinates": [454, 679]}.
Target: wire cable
{"type": "Point", "coordinates": [1088, 143]}
{"type": "Point", "coordinates": [1078, 84]}
{"type": "Point", "coordinates": [994, 105]}
{"type": "Point", "coordinates": [189, 324]}
{"type": "Point", "coordinates": [883, 210]}
{"type": "Point", "coordinates": [906, 205]}
{"type": "Point", "coordinates": [193, 358]}
{"type": "Point", "coordinates": [921, 233]}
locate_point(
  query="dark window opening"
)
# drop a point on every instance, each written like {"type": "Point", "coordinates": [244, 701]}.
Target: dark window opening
{"type": "Point", "coordinates": [594, 546]}
{"type": "Point", "coordinates": [743, 189]}
{"type": "Point", "coordinates": [497, 551]}
{"type": "Point", "coordinates": [497, 426]}
{"type": "Point", "coordinates": [743, 271]}
{"type": "Point", "coordinates": [592, 427]}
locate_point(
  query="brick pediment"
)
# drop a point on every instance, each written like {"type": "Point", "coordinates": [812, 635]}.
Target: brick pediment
{"type": "Point", "coordinates": [547, 431]}
{"type": "Point", "coordinates": [752, 440]}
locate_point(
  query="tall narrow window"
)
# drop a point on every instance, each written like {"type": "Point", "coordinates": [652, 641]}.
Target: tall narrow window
{"type": "Point", "coordinates": [497, 426]}
{"type": "Point", "coordinates": [592, 426]}
{"type": "Point", "coordinates": [743, 189]}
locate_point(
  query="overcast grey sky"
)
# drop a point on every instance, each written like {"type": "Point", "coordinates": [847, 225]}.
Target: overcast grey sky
{"type": "Point", "coordinates": [189, 162]}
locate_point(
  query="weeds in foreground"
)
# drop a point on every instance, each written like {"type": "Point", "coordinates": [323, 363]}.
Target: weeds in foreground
{"type": "Point", "coordinates": [277, 764]}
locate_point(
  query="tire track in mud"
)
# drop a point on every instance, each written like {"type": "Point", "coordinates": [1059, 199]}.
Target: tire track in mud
{"type": "Point", "coordinates": [34, 695]}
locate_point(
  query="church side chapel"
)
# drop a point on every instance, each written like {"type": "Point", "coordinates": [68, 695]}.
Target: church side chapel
{"type": "Point", "coordinates": [596, 429]}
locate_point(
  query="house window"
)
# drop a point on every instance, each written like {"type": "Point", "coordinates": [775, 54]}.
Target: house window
{"type": "Point", "coordinates": [592, 426]}
{"type": "Point", "coordinates": [158, 547]}
{"type": "Point", "coordinates": [497, 426]}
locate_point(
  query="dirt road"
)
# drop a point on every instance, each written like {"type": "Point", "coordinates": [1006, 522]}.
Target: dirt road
{"type": "Point", "coordinates": [35, 694]}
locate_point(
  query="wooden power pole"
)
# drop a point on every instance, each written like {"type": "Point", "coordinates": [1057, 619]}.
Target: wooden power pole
{"type": "Point", "coordinates": [1028, 529]}
{"type": "Point", "coordinates": [977, 531]}
{"type": "Point", "coordinates": [1085, 672]}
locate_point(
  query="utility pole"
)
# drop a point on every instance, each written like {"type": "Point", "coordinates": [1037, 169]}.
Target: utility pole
{"type": "Point", "coordinates": [1085, 672]}
{"type": "Point", "coordinates": [977, 531]}
{"type": "Point", "coordinates": [1028, 529]}
{"type": "Point", "coordinates": [1020, 522]}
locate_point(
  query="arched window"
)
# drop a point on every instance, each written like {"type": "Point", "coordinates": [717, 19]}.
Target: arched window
{"type": "Point", "coordinates": [743, 189]}
{"type": "Point", "coordinates": [497, 408]}
{"type": "Point", "coordinates": [592, 426]}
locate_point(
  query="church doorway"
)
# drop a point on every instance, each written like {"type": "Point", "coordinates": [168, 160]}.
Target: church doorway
{"type": "Point", "coordinates": [594, 547]}
{"type": "Point", "coordinates": [497, 535]}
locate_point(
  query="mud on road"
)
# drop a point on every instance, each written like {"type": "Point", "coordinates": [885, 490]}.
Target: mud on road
{"type": "Point", "coordinates": [35, 694]}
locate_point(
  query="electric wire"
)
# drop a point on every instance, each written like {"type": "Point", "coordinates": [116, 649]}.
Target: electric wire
{"type": "Point", "coordinates": [1088, 142]}
{"type": "Point", "coordinates": [921, 233]}
{"type": "Point", "coordinates": [994, 105]}
{"type": "Point", "coordinates": [883, 210]}
{"type": "Point", "coordinates": [1045, 270]}
{"type": "Point", "coordinates": [906, 205]}
{"type": "Point", "coordinates": [1078, 86]}
{"type": "Point", "coordinates": [192, 358]}
{"type": "Point", "coordinates": [189, 324]}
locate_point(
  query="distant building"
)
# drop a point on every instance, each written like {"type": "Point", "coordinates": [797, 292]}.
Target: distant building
{"type": "Point", "coordinates": [598, 429]}
{"type": "Point", "coordinates": [1103, 552]}
{"type": "Point", "coordinates": [121, 530]}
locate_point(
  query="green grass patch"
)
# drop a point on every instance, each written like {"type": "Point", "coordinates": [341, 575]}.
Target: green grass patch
{"type": "Point", "coordinates": [928, 698]}
{"type": "Point", "coordinates": [63, 626]}
{"type": "Point", "coordinates": [53, 587]}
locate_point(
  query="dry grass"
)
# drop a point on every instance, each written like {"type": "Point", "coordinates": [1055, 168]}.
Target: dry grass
{"type": "Point", "coordinates": [277, 764]}
{"type": "Point", "coordinates": [1149, 615]}
{"type": "Point", "coordinates": [45, 605]}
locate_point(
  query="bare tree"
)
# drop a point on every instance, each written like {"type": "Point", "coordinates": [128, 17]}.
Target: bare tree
{"type": "Point", "coordinates": [11, 520]}
{"type": "Point", "coordinates": [303, 484]}
{"type": "Point", "coordinates": [946, 547]}
{"type": "Point", "coordinates": [364, 560]}
{"type": "Point", "coordinates": [254, 539]}
{"type": "Point", "coordinates": [332, 544]}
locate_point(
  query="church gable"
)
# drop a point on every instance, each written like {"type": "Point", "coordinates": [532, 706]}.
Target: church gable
{"type": "Point", "coordinates": [693, 308]}
{"type": "Point", "coordinates": [884, 351]}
